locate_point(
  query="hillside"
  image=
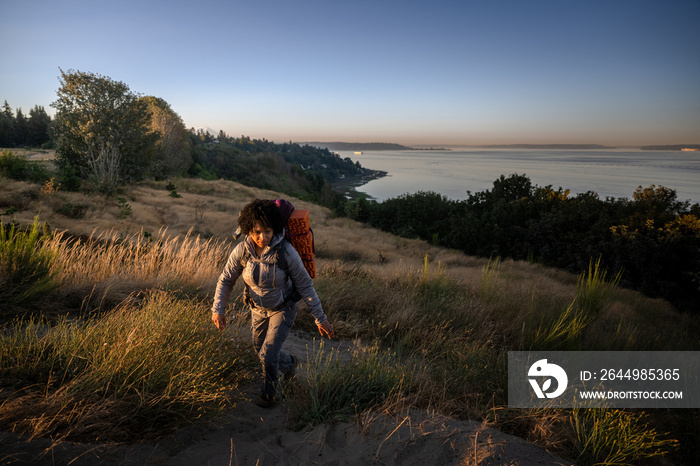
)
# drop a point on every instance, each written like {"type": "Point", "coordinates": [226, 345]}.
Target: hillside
{"type": "Point", "coordinates": [440, 320]}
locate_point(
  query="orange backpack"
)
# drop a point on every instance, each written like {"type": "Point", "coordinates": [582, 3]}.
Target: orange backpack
{"type": "Point", "coordinates": [299, 233]}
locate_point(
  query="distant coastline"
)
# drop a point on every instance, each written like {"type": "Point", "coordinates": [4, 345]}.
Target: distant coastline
{"type": "Point", "coordinates": [673, 147]}
{"type": "Point", "coordinates": [547, 146]}
{"type": "Point", "coordinates": [358, 146]}
{"type": "Point", "coordinates": [348, 185]}
{"type": "Point", "coordinates": [387, 146]}
{"type": "Point", "coordinates": [380, 146]}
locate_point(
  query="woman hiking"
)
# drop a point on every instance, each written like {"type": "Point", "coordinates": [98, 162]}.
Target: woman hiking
{"type": "Point", "coordinates": [276, 281]}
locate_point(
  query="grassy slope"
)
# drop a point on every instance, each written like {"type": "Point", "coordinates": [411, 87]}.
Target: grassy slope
{"type": "Point", "coordinates": [444, 311]}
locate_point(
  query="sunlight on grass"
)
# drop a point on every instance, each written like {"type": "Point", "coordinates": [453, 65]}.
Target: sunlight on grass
{"type": "Point", "coordinates": [489, 280]}
{"type": "Point", "coordinates": [593, 292]}
{"type": "Point", "coordinates": [609, 437]}
{"type": "Point", "coordinates": [142, 369]}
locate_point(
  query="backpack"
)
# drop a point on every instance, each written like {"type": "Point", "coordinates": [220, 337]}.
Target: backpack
{"type": "Point", "coordinates": [298, 232]}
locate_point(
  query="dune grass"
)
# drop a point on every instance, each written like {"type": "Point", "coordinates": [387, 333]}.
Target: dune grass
{"type": "Point", "coordinates": [337, 391]}
{"type": "Point", "coordinates": [611, 437]}
{"type": "Point", "coordinates": [144, 369]}
{"type": "Point", "coordinates": [437, 326]}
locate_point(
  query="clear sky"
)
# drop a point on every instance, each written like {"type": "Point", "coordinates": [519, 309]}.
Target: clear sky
{"type": "Point", "coordinates": [618, 72]}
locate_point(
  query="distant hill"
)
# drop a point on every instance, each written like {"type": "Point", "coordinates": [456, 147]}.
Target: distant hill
{"type": "Point", "coordinates": [673, 147]}
{"type": "Point", "coordinates": [547, 146]}
{"type": "Point", "coordinates": [358, 146]}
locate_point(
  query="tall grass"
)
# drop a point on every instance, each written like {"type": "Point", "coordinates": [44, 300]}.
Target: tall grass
{"type": "Point", "coordinates": [593, 291]}
{"type": "Point", "coordinates": [566, 331]}
{"type": "Point", "coordinates": [107, 268]}
{"type": "Point", "coordinates": [462, 332]}
{"type": "Point", "coordinates": [336, 391]}
{"type": "Point", "coordinates": [142, 370]}
{"type": "Point", "coordinates": [489, 279]}
{"type": "Point", "coordinates": [26, 265]}
{"type": "Point", "coordinates": [608, 437]}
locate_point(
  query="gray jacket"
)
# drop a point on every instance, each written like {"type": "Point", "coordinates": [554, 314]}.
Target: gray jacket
{"type": "Point", "coordinates": [269, 285]}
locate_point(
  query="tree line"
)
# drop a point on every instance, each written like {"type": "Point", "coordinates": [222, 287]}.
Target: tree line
{"type": "Point", "coordinates": [19, 130]}
{"type": "Point", "coordinates": [106, 135]}
{"type": "Point", "coordinates": [652, 238]}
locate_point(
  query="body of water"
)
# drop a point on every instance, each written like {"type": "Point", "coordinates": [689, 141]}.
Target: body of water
{"type": "Point", "coordinates": [614, 173]}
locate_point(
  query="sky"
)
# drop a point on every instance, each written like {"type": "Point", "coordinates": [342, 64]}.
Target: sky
{"type": "Point", "coordinates": [432, 72]}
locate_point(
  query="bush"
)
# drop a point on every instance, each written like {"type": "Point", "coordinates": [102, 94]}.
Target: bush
{"type": "Point", "coordinates": [17, 167]}
{"type": "Point", "coordinates": [26, 266]}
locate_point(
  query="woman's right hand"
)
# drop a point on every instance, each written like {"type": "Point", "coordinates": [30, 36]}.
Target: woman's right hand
{"type": "Point", "coordinates": [219, 320]}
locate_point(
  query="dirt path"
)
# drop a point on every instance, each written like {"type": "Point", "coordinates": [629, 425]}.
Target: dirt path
{"type": "Point", "coordinates": [250, 435]}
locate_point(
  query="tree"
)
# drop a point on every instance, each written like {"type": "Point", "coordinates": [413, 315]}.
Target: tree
{"type": "Point", "coordinates": [173, 154]}
{"type": "Point", "coordinates": [98, 117]}
{"type": "Point", "coordinates": [21, 128]}
{"type": "Point", "coordinates": [38, 126]}
{"type": "Point", "coordinates": [7, 127]}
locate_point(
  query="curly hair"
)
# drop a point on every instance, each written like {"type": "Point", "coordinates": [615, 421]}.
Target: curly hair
{"type": "Point", "coordinates": [264, 212]}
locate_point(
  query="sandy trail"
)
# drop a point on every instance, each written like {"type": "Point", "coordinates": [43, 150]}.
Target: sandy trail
{"type": "Point", "coordinates": [250, 435]}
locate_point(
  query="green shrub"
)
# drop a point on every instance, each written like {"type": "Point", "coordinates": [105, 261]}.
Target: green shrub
{"type": "Point", "coordinates": [124, 207]}
{"type": "Point", "coordinates": [25, 266]}
{"type": "Point", "coordinates": [17, 167]}
{"type": "Point", "coordinates": [71, 210]}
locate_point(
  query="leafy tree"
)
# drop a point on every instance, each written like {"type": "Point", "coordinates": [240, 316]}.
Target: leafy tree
{"type": "Point", "coordinates": [98, 118]}
{"type": "Point", "coordinates": [173, 154]}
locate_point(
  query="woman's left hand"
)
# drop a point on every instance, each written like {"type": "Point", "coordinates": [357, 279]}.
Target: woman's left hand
{"type": "Point", "coordinates": [326, 329]}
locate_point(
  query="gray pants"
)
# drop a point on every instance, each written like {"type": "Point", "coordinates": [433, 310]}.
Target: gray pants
{"type": "Point", "coordinates": [270, 330]}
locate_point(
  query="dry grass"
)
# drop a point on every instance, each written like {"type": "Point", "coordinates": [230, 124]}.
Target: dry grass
{"type": "Point", "coordinates": [108, 268]}
{"type": "Point", "coordinates": [144, 369]}
{"type": "Point", "coordinates": [450, 319]}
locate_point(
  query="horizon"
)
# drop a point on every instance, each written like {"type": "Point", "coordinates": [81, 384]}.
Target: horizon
{"type": "Point", "coordinates": [447, 73]}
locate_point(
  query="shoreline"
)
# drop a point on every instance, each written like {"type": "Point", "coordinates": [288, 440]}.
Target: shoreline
{"type": "Point", "coordinates": [348, 185]}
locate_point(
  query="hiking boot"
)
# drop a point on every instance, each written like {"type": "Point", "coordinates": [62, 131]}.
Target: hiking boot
{"type": "Point", "coordinates": [293, 371]}
{"type": "Point", "coordinates": [265, 401]}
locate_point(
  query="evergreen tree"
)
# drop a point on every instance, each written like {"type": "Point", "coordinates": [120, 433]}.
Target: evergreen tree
{"type": "Point", "coordinates": [38, 126]}
{"type": "Point", "coordinates": [21, 128]}
{"type": "Point", "coordinates": [7, 127]}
